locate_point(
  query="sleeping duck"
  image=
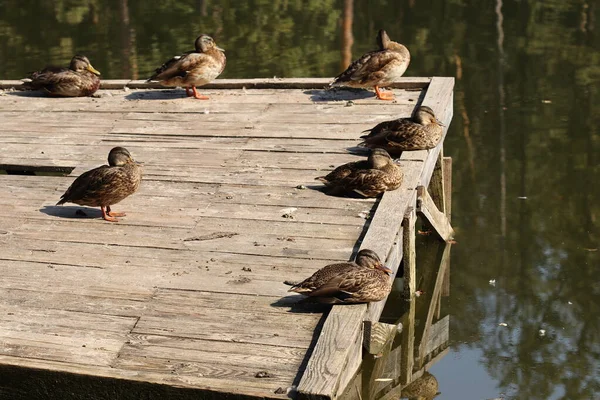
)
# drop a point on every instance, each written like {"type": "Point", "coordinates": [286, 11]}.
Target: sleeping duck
{"type": "Point", "coordinates": [364, 280]}
{"type": "Point", "coordinates": [80, 79]}
{"type": "Point", "coordinates": [423, 131]}
{"type": "Point", "coordinates": [377, 68]}
{"type": "Point", "coordinates": [194, 68]}
{"type": "Point", "coordinates": [368, 177]}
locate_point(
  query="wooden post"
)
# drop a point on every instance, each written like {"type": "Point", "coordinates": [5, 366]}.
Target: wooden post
{"type": "Point", "coordinates": [409, 253]}
{"type": "Point", "coordinates": [407, 345]}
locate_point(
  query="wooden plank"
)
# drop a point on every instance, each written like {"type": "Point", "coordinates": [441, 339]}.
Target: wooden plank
{"type": "Point", "coordinates": [257, 83]}
{"type": "Point", "coordinates": [377, 335]}
{"type": "Point", "coordinates": [437, 219]}
{"type": "Point", "coordinates": [326, 361]}
{"type": "Point", "coordinates": [447, 161]}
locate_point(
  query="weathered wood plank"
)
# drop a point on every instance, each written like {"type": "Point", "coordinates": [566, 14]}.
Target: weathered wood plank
{"type": "Point", "coordinates": [437, 219]}
{"type": "Point", "coordinates": [257, 83]}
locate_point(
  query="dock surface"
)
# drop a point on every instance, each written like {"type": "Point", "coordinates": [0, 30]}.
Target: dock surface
{"type": "Point", "coordinates": [184, 296]}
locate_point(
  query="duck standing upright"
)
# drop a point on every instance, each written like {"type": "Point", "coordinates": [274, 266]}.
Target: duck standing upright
{"type": "Point", "coordinates": [80, 79]}
{"type": "Point", "coordinates": [377, 68]}
{"type": "Point", "coordinates": [362, 281]}
{"type": "Point", "coordinates": [194, 68]}
{"type": "Point", "coordinates": [106, 185]}
{"type": "Point", "coordinates": [368, 177]}
{"type": "Point", "coordinates": [422, 132]}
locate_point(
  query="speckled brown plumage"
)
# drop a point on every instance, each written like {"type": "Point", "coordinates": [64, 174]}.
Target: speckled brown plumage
{"type": "Point", "coordinates": [424, 388]}
{"type": "Point", "coordinates": [421, 132]}
{"type": "Point", "coordinates": [80, 79]}
{"type": "Point", "coordinates": [362, 281]}
{"type": "Point", "coordinates": [368, 177]}
{"type": "Point", "coordinates": [194, 68]}
{"type": "Point", "coordinates": [377, 68]}
{"type": "Point", "coordinates": [106, 185]}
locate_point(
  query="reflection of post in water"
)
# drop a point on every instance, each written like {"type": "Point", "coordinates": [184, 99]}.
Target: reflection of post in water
{"type": "Point", "coordinates": [502, 107]}
{"type": "Point", "coordinates": [347, 38]}
{"type": "Point", "coordinates": [128, 56]}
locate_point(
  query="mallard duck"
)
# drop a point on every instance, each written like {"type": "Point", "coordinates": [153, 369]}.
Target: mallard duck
{"type": "Point", "coordinates": [106, 185]}
{"type": "Point", "coordinates": [377, 68]}
{"type": "Point", "coordinates": [80, 79]}
{"type": "Point", "coordinates": [194, 68]}
{"type": "Point", "coordinates": [362, 281]}
{"type": "Point", "coordinates": [368, 177]}
{"type": "Point", "coordinates": [422, 132]}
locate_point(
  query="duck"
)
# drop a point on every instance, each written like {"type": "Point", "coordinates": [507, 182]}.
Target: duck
{"type": "Point", "coordinates": [377, 68]}
{"type": "Point", "coordinates": [194, 68]}
{"type": "Point", "coordinates": [361, 281]}
{"type": "Point", "coordinates": [421, 132]}
{"type": "Point", "coordinates": [106, 185]}
{"type": "Point", "coordinates": [367, 178]}
{"type": "Point", "coordinates": [80, 79]}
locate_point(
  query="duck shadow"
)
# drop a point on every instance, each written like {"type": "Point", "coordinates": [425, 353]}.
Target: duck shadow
{"type": "Point", "coordinates": [31, 93]}
{"type": "Point", "coordinates": [72, 212]}
{"type": "Point", "coordinates": [301, 305]}
{"type": "Point", "coordinates": [157, 94]}
{"type": "Point", "coordinates": [339, 94]}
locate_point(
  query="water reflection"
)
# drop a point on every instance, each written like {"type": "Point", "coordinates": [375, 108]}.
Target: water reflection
{"type": "Point", "coordinates": [526, 203]}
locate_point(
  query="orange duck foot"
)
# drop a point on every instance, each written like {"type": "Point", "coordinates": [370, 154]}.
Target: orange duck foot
{"type": "Point", "coordinates": [110, 213]}
{"type": "Point", "coordinates": [108, 216]}
{"type": "Point", "coordinates": [197, 95]}
{"type": "Point", "coordinates": [187, 91]}
{"type": "Point", "coordinates": [381, 95]}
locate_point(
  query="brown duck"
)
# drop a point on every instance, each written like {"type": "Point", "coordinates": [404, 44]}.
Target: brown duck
{"type": "Point", "coordinates": [422, 132]}
{"type": "Point", "coordinates": [106, 185]}
{"type": "Point", "coordinates": [194, 68]}
{"type": "Point", "coordinates": [80, 79]}
{"type": "Point", "coordinates": [362, 281]}
{"type": "Point", "coordinates": [368, 177]}
{"type": "Point", "coordinates": [377, 68]}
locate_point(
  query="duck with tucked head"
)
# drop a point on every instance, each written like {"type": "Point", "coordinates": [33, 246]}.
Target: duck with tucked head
{"type": "Point", "coordinates": [80, 79]}
{"type": "Point", "coordinates": [194, 68]}
{"type": "Point", "coordinates": [362, 281]}
{"type": "Point", "coordinates": [368, 177]}
{"type": "Point", "coordinates": [423, 131]}
{"type": "Point", "coordinates": [377, 68]}
{"type": "Point", "coordinates": [106, 185]}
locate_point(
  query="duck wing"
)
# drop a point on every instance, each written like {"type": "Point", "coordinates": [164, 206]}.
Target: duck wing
{"type": "Point", "coordinates": [176, 66]}
{"type": "Point", "coordinates": [367, 67]}
{"type": "Point", "coordinates": [94, 184]}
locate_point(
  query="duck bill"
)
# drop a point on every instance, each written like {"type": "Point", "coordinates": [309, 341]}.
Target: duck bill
{"type": "Point", "coordinates": [93, 70]}
{"type": "Point", "coordinates": [385, 269]}
{"type": "Point", "coordinates": [139, 163]}
{"type": "Point", "coordinates": [440, 122]}
{"type": "Point", "coordinates": [220, 49]}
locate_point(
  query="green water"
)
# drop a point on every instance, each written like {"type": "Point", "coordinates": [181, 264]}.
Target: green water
{"type": "Point", "coordinates": [524, 139]}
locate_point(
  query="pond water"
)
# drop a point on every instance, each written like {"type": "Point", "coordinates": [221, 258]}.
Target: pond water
{"type": "Point", "coordinates": [524, 140]}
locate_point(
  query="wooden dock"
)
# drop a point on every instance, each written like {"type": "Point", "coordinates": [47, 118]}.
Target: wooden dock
{"type": "Point", "coordinates": [184, 296]}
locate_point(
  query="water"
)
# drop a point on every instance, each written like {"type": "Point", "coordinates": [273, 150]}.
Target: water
{"type": "Point", "coordinates": [524, 139]}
